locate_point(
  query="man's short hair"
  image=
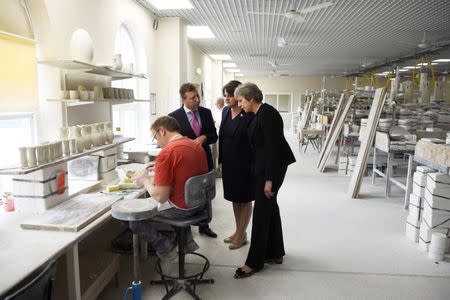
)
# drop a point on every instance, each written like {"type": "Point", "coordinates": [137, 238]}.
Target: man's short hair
{"type": "Point", "coordinates": [166, 122]}
{"type": "Point", "coordinates": [187, 87]}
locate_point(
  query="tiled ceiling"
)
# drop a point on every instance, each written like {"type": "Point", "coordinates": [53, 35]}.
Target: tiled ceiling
{"type": "Point", "coordinates": [337, 39]}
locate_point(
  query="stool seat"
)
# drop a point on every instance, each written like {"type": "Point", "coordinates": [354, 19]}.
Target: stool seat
{"type": "Point", "coordinates": [134, 209]}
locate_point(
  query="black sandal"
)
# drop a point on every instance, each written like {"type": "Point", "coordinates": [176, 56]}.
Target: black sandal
{"type": "Point", "coordinates": [241, 274]}
{"type": "Point", "coordinates": [274, 261]}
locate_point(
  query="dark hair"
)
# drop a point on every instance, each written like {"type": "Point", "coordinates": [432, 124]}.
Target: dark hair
{"type": "Point", "coordinates": [166, 122]}
{"type": "Point", "coordinates": [230, 87]}
{"type": "Point", "coordinates": [249, 91]}
{"type": "Point", "coordinates": [186, 87]}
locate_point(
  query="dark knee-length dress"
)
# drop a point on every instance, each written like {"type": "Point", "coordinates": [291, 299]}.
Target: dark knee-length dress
{"type": "Point", "coordinates": [234, 154]}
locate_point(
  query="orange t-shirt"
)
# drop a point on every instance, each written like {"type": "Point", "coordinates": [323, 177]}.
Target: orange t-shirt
{"type": "Point", "coordinates": [176, 163]}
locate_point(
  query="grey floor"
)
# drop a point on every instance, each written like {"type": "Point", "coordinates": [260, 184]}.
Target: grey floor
{"type": "Point", "coordinates": [337, 248]}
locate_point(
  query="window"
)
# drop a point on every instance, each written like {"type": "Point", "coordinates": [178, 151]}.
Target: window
{"type": "Point", "coordinates": [125, 115]}
{"type": "Point", "coordinates": [282, 102]}
{"type": "Point", "coordinates": [16, 130]}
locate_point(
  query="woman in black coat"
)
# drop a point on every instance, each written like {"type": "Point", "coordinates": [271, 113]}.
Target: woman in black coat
{"type": "Point", "coordinates": [234, 155]}
{"type": "Point", "coordinates": [271, 156]}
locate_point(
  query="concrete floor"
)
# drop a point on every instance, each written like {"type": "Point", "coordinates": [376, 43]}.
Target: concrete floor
{"type": "Point", "coordinates": [337, 248]}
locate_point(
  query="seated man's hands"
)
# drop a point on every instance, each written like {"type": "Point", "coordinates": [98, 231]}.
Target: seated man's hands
{"type": "Point", "coordinates": [142, 179]}
{"type": "Point", "coordinates": [150, 166]}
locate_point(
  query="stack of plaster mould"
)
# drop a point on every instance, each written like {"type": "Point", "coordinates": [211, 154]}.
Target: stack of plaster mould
{"type": "Point", "coordinates": [351, 164]}
{"type": "Point", "coordinates": [416, 201]}
{"type": "Point", "coordinates": [436, 212]}
{"type": "Point", "coordinates": [343, 165]}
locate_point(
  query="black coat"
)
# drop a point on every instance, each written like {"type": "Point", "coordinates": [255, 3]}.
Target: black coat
{"type": "Point", "coordinates": [272, 153]}
{"type": "Point", "coordinates": [208, 129]}
{"type": "Point", "coordinates": [236, 158]}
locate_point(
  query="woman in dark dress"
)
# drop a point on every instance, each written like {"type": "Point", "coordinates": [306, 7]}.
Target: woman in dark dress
{"type": "Point", "coordinates": [234, 154]}
{"type": "Point", "coordinates": [271, 156]}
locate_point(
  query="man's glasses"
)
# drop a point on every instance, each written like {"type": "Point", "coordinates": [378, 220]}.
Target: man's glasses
{"type": "Point", "coordinates": [154, 141]}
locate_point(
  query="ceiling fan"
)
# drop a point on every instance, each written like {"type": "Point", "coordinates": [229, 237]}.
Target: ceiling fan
{"type": "Point", "coordinates": [275, 64]}
{"type": "Point", "coordinates": [281, 42]}
{"type": "Point", "coordinates": [294, 14]}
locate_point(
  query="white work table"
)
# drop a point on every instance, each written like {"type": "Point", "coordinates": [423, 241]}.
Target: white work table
{"type": "Point", "coordinates": [24, 251]}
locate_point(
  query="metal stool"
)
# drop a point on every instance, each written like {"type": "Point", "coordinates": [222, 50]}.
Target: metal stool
{"type": "Point", "coordinates": [133, 210]}
{"type": "Point", "coordinates": [199, 190]}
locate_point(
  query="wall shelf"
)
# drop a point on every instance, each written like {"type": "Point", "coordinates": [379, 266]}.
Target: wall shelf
{"type": "Point", "coordinates": [22, 171]}
{"type": "Point", "coordinates": [78, 102]}
{"type": "Point", "coordinates": [89, 68]}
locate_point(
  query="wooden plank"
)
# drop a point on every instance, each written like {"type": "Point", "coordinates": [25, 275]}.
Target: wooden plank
{"type": "Point", "coordinates": [73, 214]}
{"type": "Point", "coordinates": [367, 141]}
{"type": "Point", "coordinates": [308, 112]}
{"type": "Point", "coordinates": [337, 114]}
{"type": "Point", "coordinates": [336, 132]}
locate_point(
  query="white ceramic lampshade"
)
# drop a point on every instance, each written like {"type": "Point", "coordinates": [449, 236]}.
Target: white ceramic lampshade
{"type": "Point", "coordinates": [82, 46]}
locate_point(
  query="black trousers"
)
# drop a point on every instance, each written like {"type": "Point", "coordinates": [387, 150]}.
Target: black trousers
{"type": "Point", "coordinates": [267, 232]}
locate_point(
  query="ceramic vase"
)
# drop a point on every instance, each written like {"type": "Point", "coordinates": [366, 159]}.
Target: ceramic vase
{"type": "Point", "coordinates": [63, 133]}
{"type": "Point", "coordinates": [101, 130]}
{"type": "Point", "coordinates": [75, 133]}
{"type": "Point", "coordinates": [96, 136]}
{"type": "Point", "coordinates": [117, 62]}
{"type": "Point", "coordinates": [109, 132]}
{"type": "Point", "coordinates": [86, 134]}
{"type": "Point", "coordinates": [31, 156]}
{"type": "Point", "coordinates": [23, 157]}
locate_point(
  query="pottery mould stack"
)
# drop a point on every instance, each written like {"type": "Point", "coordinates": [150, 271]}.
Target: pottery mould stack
{"type": "Point", "coordinates": [42, 189]}
{"type": "Point", "coordinates": [416, 200]}
{"type": "Point", "coordinates": [436, 212]}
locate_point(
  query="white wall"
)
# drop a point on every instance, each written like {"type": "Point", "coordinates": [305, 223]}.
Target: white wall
{"type": "Point", "coordinates": [294, 85]}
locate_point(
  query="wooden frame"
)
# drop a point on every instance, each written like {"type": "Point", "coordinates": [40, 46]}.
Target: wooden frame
{"type": "Point", "coordinates": [308, 112]}
{"type": "Point", "coordinates": [332, 127]}
{"type": "Point", "coordinates": [367, 142]}
{"type": "Point", "coordinates": [335, 133]}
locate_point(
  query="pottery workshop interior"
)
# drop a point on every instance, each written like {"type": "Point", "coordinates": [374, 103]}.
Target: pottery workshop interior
{"type": "Point", "coordinates": [224, 149]}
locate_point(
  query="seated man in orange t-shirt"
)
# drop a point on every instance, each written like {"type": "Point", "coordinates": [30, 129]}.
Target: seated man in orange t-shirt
{"type": "Point", "coordinates": [180, 159]}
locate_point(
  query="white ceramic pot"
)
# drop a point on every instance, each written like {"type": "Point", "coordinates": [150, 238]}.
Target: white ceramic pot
{"type": "Point", "coordinates": [109, 132]}
{"type": "Point", "coordinates": [31, 156]}
{"type": "Point", "coordinates": [117, 62]}
{"type": "Point", "coordinates": [73, 149]}
{"type": "Point", "coordinates": [23, 157]}
{"type": "Point", "coordinates": [65, 148]}
{"type": "Point", "coordinates": [63, 133]}
{"type": "Point", "coordinates": [74, 95]}
{"type": "Point", "coordinates": [95, 135]}
{"type": "Point", "coordinates": [64, 95]}
{"type": "Point", "coordinates": [40, 155]}
{"type": "Point", "coordinates": [86, 134]}
{"type": "Point", "coordinates": [75, 133]}
{"type": "Point", "coordinates": [84, 95]}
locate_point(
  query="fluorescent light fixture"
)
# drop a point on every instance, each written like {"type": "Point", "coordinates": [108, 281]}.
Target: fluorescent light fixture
{"type": "Point", "coordinates": [419, 65]}
{"type": "Point", "coordinates": [442, 60]}
{"type": "Point", "coordinates": [229, 65]}
{"type": "Point", "coordinates": [172, 4]}
{"type": "Point", "coordinates": [200, 32]}
{"type": "Point", "coordinates": [220, 56]}
{"type": "Point", "coordinates": [233, 70]}
{"type": "Point", "coordinates": [403, 70]}
{"type": "Point", "coordinates": [238, 74]}
{"type": "Point", "coordinates": [409, 67]}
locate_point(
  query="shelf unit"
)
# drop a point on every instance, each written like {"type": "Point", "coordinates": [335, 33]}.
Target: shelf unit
{"type": "Point", "coordinates": [23, 171]}
{"type": "Point", "coordinates": [89, 68]}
